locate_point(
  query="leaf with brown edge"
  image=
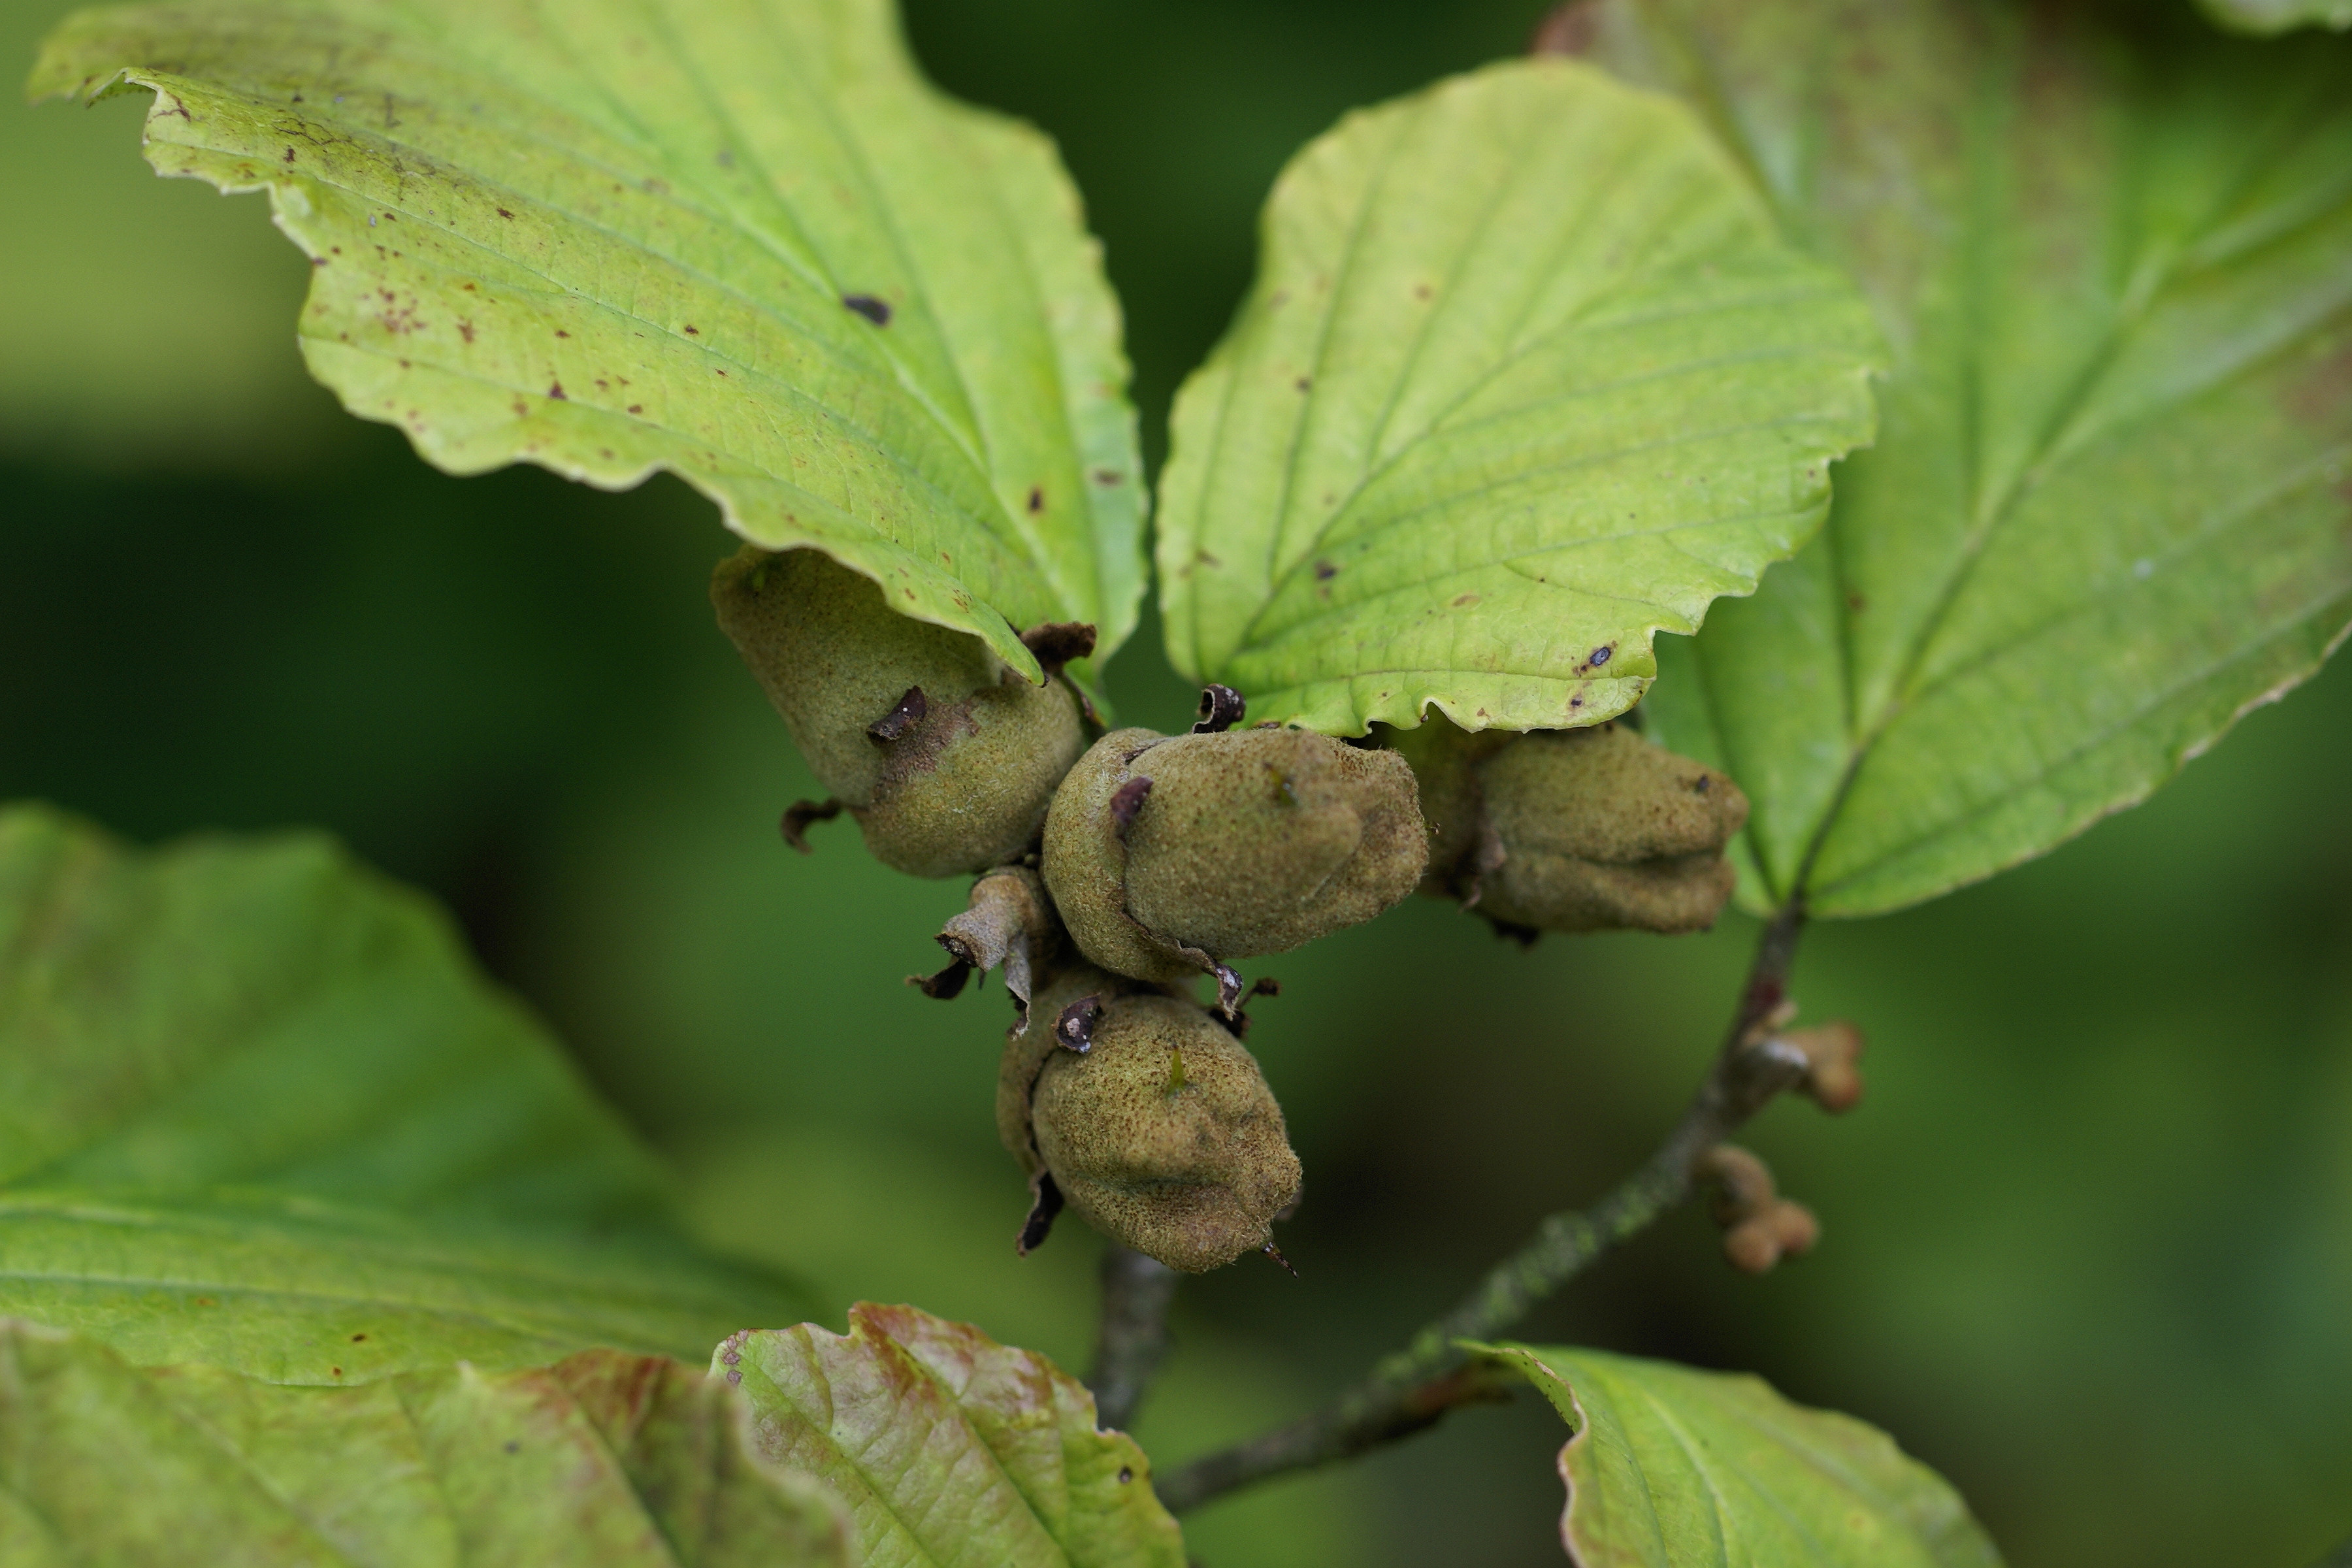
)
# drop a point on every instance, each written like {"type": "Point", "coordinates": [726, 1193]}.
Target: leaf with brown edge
{"type": "Point", "coordinates": [1668, 1467]}
{"type": "Point", "coordinates": [602, 1460]}
{"type": "Point", "coordinates": [942, 1446]}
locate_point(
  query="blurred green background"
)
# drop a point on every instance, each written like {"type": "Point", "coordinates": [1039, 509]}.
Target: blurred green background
{"type": "Point", "coordinates": [2088, 1241]}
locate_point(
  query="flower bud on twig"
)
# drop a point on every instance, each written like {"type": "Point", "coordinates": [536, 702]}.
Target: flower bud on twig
{"type": "Point", "coordinates": [1759, 1226]}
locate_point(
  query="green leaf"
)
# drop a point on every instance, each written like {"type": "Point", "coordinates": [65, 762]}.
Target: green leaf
{"type": "Point", "coordinates": [2262, 16]}
{"type": "Point", "coordinates": [256, 1110]}
{"type": "Point", "coordinates": [1670, 1467]}
{"type": "Point", "coordinates": [944, 1448]}
{"type": "Point", "coordinates": [1524, 377]}
{"type": "Point", "coordinates": [632, 237]}
{"type": "Point", "coordinates": [603, 1460]}
{"type": "Point", "coordinates": [2110, 507]}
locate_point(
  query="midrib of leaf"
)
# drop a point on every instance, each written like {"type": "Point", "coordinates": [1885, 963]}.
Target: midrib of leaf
{"type": "Point", "coordinates": [1279, 576]}
{"type": "Point", "coordinates": [2092, 738]}
{"type": "Point", "coordinates": [2133, 310]}
{"type": "Point", "coordinates": [1554, 548]}
{"type": "Point", "coordinates": [1388, 464]}
{"type": "Point", "coordinates": [1694, 1455]}
{"type": "Point", "coordinates": [1340, 275]}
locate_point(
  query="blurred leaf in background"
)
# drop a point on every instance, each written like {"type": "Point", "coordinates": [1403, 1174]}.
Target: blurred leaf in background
{"type": "Point", "coordinates": [142, 325]}
{"type": "Point", "coordinates": [2088, 1245]}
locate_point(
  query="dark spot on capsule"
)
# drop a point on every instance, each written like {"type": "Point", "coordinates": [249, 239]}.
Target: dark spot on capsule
{"type": "Point", "coordinates": [867, 306]}
{"type": "Point", "coordinates": [637, 408]}
{"type": "Point", "coordinates": [466, 331]}
{"type": "Point", "coordinates": [903, 717]}
{"type": "Point", "coordinates": [692, 330]}
{"type": "Point", "coordinates": [1700, 784]}
{"type": "Point", "coordinates": [357, 1338]}
{"type": "Point", "coordinates": [1073, 1029]}
{"type": "Point", "coordinates": [511, 1446]}
{"type": "Point", "coordinates": [1036, 499]}
{"type": "Point", "coordinates": [1126, 1474]}
{"type": "Point", "coordinates": [1105, 476]}
{"type": "Point", "coordinates": [1325, 571]}
{"type": "Point", "coordinates": [290, 155]}
{"type": "Point", "coordinates": [336, 1371]}
{"type": "Point", "coordinates": [1127, 801]}
{"type": "Point", "coordinates": [1305, 383]}
{"type": "Point", "coordinates": [1854, 602]}
{"type": "Point", "coordinates": [502, 213]}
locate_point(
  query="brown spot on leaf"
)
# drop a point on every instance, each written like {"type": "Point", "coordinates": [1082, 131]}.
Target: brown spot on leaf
{"type": "Point", "coordinates": [867, 306]}
{"type": "Point", "coordinates": [555, 390]}
{"type": "Point", "coordinates": [1036, 499]}
{"type": "Point", "coordinates": [503, 213]}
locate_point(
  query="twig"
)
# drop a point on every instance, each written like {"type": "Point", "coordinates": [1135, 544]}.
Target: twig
{"type": "Point", "coordinates": [1135, 1290]}
{"type": "Point", "coordinates": [1414, 1387]}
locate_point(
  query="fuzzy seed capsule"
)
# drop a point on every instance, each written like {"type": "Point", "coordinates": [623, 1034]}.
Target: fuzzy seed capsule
{"type": "Point", "coordinates": [1170, 856]}
{"type": "Point", "coordinates": [947, 758]}
{"type": "Point", "coordinates": [1145, 1114]}
{"type": "Point", "coordinates": [1575, 830]}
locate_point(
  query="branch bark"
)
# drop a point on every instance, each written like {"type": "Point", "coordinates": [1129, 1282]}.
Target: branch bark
{"type": "Point", "coordinates": [1417, 1385]}
{"type": "Point", "coordinates": [1136, 1291]}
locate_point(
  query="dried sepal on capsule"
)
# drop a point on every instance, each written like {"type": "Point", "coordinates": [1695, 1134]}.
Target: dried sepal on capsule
{"type": "Point", "coordinates": [1008, 924]}
{"type": "Point", "coordinates": [1143, 1114]}
{"type": "Point", "coordinates": [1574, 830]}
{"type": "Point", "coordinates": [1170, 856]}
{"type": "Point", "coordinates": [946, 757]}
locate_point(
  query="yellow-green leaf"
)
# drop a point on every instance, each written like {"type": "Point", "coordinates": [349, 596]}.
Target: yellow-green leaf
{"type": "Point", "coordinates": [2110, 507]}
{"type": "Point", "coordinates": [1526, 376]}
{"type": "Point", "coordinates": [1670, 1467]}
{"type": "Point", "coordinates": [739, 241]}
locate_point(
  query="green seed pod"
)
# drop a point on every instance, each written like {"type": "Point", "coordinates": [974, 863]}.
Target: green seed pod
{"type": "Point", "coordinates": [1575, 830]}
{"type": "Point", "coordinates": [1144, 1113]}
{"type": "Point", "coordinates": [947, 758]}
{"type": "Point", "coordinates": [1168, 857]}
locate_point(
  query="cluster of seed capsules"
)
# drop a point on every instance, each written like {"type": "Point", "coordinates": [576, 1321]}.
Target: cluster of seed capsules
{"type": "Point", "coordinates": [1113, 874]}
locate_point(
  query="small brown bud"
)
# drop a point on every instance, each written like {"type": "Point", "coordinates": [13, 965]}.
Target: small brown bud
{"type": "Point", "coordinates": [1832, 1056]}
{"type": "Point", "coordinates": [1759, 1226]}
{"type": "Point", "coordinates": [946, 758]}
